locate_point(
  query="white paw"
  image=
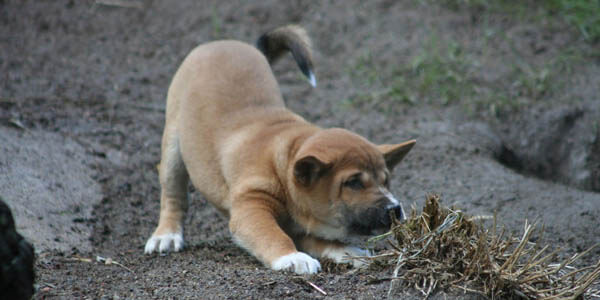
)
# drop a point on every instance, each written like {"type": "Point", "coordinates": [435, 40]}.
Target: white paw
{"type": "Point", "coordinates": [346, 254]}
{"type": "Point", "coordinates": [300, 263]}
{"type": "Point", "coordinates": [164, 242]}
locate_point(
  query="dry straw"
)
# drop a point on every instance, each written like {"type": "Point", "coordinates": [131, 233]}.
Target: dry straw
{"type": "Point", "coordinates": [442, 248]}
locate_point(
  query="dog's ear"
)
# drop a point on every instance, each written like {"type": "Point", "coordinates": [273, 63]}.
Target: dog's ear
{"type": "Point", "coordinates": [309, 169]}
{"type": "Point", "coordinates": [393, 154]}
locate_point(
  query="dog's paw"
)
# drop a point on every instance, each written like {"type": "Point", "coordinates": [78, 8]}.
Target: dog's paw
{"type": "Point", "coordinates": [300, 263]}
{"type": "Point", "coordinates": [164, 243]}
{"type": "Point", "coordinates": [346, 254]}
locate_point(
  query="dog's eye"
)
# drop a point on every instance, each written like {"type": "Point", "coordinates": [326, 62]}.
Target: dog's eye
{"type": "Point", "coordinates": [354, 183]}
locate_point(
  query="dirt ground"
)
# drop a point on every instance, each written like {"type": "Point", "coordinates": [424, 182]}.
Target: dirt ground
{"type": "Point", "coordinates": [82, 91]}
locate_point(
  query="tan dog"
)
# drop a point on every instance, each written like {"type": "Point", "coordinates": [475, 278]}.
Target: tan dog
{"type": "Point", "coordinates": [286, 185]}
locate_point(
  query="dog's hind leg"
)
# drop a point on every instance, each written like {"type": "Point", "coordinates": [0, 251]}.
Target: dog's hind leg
{"type": "Point", "coordinates": [173, 199]}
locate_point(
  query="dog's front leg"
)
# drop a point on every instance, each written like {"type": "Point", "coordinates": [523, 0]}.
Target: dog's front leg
{"type": "Point", "coordinates": [254, 227]}
{"type": "Point", "coordinates": [168, 235]}
{"type": "Point", "coordinates": [173, 199]}
{"type": "Point", "coordinates": [337, 251]}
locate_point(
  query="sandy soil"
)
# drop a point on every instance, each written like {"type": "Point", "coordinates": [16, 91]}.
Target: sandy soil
{"type": "Point", "coordinates": [82, 89]}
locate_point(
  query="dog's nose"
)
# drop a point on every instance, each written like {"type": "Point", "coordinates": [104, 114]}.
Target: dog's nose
{"type": "Point", "coordinates": [397, 211]}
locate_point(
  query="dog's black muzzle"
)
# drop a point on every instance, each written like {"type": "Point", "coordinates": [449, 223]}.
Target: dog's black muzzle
{"type": "Point", "coordinates": [370, 220]}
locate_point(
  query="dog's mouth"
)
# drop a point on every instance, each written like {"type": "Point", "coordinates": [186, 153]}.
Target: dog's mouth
{"type": "Point", "coordinates": [374, 220]}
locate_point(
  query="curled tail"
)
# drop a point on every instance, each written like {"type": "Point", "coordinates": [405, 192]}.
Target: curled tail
{"type": "Point", "coordinates": [276, 42]}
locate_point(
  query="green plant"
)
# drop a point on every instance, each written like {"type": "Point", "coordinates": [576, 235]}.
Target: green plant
{"type": "Point", "coordinates": [583, 14]}
{"type": "Point", "coordinates": [216, 23]}
{"type": "Point", "coordinates": [443, 71]}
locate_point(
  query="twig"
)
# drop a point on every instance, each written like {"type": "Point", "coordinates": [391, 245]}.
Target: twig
{"type": "Point", "coordinates": [480, 217]}
{"type": "Point", "coordinates": [48, 284]}
{"type": "Point", "coordinates": [572, 273]}
{"type": "Point", "coordinates": [269, 283]}
{"type": "Point", "coordinates": [591, 278]}
{"type": "Point", "coordinates": [109, 261]}
{"type": "Point", "coordinates": [466, 289]}
{"type": "Point", "coordinates": [529, 264]}
{"type": "Point", "coordinates": [508, 265]}
{"type": "Point", "coordinates": [17, 123]}
{"type": "Point", "coordinates": [316, 287]}
{"type": "Point", "coordinates": [431, 287]}
{"type": "Point", "coordinates": [373, 257]}
{"type": "Point", "coordinates": [594, 293]}
{"type": "Point", "coordinates": [81, 259]}
{"type": "Point", "coordinates": [399, 265]}
{"type": "Point", "coordinates": [562, 265]}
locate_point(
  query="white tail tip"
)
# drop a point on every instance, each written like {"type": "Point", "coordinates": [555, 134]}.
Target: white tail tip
{"type": "Point", "coordinates": [312, 80]}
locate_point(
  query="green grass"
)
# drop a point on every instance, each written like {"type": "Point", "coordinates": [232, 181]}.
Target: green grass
{"type": "Point", "coordinates": [439, 75]}
{"type": "Point", "coordinates": [582, 14]}
{"type": "Point", "coordinates": [443, 73]}
{"type": "Point", "coordinates": [216, 23]}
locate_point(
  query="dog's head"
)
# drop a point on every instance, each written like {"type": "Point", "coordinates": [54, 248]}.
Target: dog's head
{"type": "Point", "coordinates": [342, 183]}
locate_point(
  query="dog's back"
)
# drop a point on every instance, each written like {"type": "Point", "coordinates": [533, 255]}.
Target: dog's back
{"type": "Point", "coordinates": [231, 75]}
{"type": "Point", "coordinates": [226, 77]}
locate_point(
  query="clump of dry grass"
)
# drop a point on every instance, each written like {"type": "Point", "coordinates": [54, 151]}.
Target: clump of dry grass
{"type": "Point", "coordinates": [444, 248]}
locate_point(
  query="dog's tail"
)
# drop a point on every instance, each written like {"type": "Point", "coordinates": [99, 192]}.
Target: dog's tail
{"type": "Point", "coordinates": [293, 38]}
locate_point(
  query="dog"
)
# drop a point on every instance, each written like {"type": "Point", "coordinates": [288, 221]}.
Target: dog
{"type": "Point", "coordinates": [290, 189]}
